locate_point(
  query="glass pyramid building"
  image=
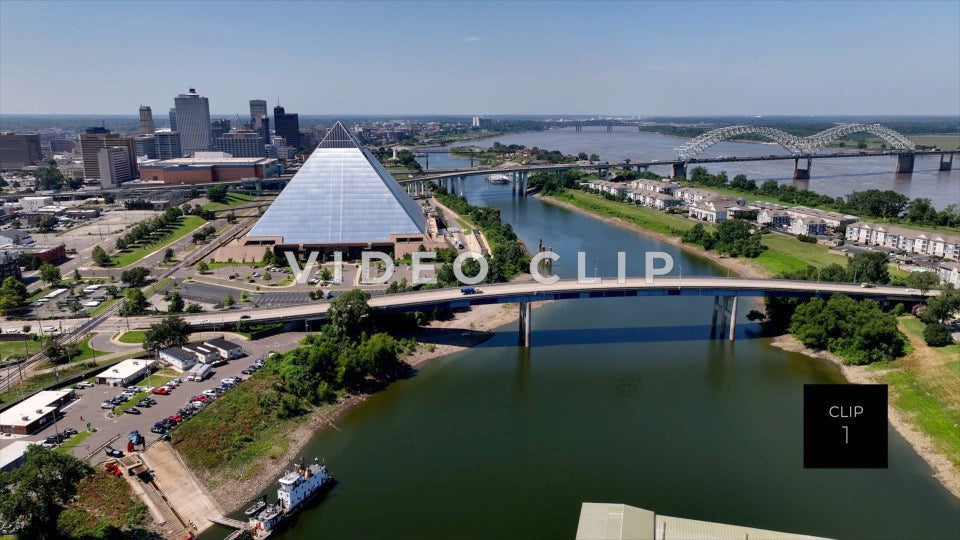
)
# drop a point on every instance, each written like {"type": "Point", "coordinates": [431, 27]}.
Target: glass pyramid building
{"type": "Point", "coordinates": [341, 195]}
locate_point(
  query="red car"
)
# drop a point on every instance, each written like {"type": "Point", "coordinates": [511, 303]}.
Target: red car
{"type": "Point", "coordinates": [176, 419]}
{"type": "Point", "coordinates": [162, 391]}
{"type": "Point", "coordinates": [202, 399]}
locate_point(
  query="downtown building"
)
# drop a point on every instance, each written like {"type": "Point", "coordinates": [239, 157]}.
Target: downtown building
{"type": "Point", "coordinates": [167, 144]}
{"type": "Point", "coordinates": [208, 168]}
{"type": "Point", "coordinates": [146, 121]}
{"type": "Point", "coordinates": [242, 144]}
{"type": "Point", "coordinates": [114, 165]}
{"type": "Point", "coordinates": [193, 122]}
{"type": "Point", "coordinates": [287, 125]}
{"type": "Point", "coordinates": [96, 139]}
{"type": "Point", "coordinates": [258, 110]}
{"type": "Point", "coordinates": [18, 150]}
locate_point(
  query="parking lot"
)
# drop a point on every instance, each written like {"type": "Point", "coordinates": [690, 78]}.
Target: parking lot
{"type": "Point", "coordinates": [86, 408]}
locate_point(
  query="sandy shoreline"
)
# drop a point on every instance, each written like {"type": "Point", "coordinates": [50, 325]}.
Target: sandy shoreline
{"type": "Point", "coordinates": [943, 469]}
{"type": "Point", "coordinates": [464, 330]}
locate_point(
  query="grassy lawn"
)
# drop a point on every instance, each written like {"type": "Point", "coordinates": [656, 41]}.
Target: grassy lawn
{"type": "Point", "coordinates": [103, 307]}
{"type": "Point", "coordinates": [787, 254]}
{"type": "Point", "coordinates": [214, 265]}
{"type": "Point", "coordinates": [648, 218]}
{"type": "Point", "coordinates": [925, 385]}
{"type": "Point", "coordinates": [74, 441]}
{"type": "Point", "coordinates": [8, 348]}
{"type": "Point", "coordinates": [187, 225]}
{"type": "Point", "coordinates": [153, 289]}
{"type": "Point", "coordinates": [86, 351]}
{"type": "Point", "coordinates": [233, 199]}
{"type": "Point", "coordinates": [133, 336]}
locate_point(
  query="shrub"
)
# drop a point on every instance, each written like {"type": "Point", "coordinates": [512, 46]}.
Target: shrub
{"type": "Point", "coordinates": [937, 335]}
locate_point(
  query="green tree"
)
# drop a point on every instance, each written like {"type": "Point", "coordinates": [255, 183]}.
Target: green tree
{"type": "Point", "coordinates": [35, 493]}
{"type": "Point", "coordinates": [350, 314]}
{"type": "Point", "coordinates": [100, 256]}
{"type": "Point", "coordinates": [46, 224]}
{"type": "Point", "coordinates": [217, 193]}
{"type": "Point", "coordinates": [12, 294]}
{"type": "Point", "coordinates": [176, 304]}
{"type": "Point", "coordinates": [868, 268]}
{"type": "Point", "coordinates": [168, 255]}
{"type": "Point", "coordinates": [937, 335]}
{"type": "Point", "coordinates": [942, 307]}
{"type": "Point", "coordinates": [172, 331]}
{"type": "Point", "coordinates": [134, 302]}
{"type": "Point", "coordinates": [135, 277]}
{"type": "Point", "coordinates": [203, 267]}
{"type": "Point", "coordinates": [594, 157]}
{"type": "Point", "coordinates": [922, 281]}
{"type": "Point", "coordinates": [228, 302]}
{"type": "Point", "coordinates": [49, 177]}
{"type": "Point", "coordinates": [49, 274]}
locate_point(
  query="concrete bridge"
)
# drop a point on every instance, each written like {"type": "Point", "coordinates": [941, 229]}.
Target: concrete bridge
{"type": "Point", "coordinates": [724, 291]}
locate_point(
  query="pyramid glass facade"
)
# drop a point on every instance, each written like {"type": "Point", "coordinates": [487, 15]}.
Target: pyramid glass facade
{"type": "Point", "coordinates": [341, 195]}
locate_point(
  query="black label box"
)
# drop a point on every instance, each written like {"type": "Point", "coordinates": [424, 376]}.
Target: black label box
{"type": "Point", "coordinates": [845, 426]}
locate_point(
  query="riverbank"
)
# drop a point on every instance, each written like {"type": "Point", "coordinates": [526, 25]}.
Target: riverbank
{"type": "Point", "coordinates": [943, 469]}
{"type": "Point", "coordinates": [736, 266]}
{"type": "Point", "coordinates": [465, 329]}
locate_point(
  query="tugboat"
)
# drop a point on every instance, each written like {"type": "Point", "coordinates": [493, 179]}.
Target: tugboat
{"type": "Point", "coordinates": [297, 486]}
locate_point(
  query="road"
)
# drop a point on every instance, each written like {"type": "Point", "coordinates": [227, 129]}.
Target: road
{"type": "Point", "coordinates": [563, 289]}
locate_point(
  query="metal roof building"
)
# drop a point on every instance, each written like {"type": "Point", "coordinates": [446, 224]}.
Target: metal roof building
{"type": "Point", "coordinates": [341, 195]}
{"type": "Point", "coordinates": [604, 521]}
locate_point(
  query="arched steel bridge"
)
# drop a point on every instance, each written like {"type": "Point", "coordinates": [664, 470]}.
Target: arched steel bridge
{"type": "Point", "coordinates": [804, 146]}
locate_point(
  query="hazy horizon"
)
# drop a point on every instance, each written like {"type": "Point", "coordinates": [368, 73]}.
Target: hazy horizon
{"type": "Point", "coordinates": [489, 58]}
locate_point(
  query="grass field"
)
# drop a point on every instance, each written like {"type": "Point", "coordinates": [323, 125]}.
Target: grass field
{"type": "Point", "coordinates": [74, 441]}
{"type": "Point", "coordinates": [787, 254]}
{"type": "Point", "coordinates": [233, 200]}
{"type": "Point", "coordinates": [134, 336]}
{"type": "Point", "coordinates": [186, 226]}
{"type": "Point", "coordinates": [648, 218]}
{"type": "Point", "coordinates": [86, 351]}
{"type": "Point", "coordinates": [18, 347]}
{"type": "Point", "coordinates": [925, 384]}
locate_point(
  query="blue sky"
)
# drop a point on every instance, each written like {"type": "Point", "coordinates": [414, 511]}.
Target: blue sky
{"type": "Point", "coordinates": [402, 57]}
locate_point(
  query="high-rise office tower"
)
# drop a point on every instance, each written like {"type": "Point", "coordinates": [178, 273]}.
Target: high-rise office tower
{"type": "Point", "coordinates": [264, 129]}
{"type": "Point", "coordinates": [258, 109]}
{"type": "Point", "coordinates": [193, 122]}
{"type": "Point", "coordinates": [147, 146]}
{"type": "Point", "coordinates": [242, 144]}
{"type": "Point", "coordinates": [173, 118]}
{"type": "Point", "coordinates": [114, 166]}
{"type": "Point", "coordinates": [287, 125]}
{"type": "Point", "coordinates": [19, 150]}
{"type": "Point", "coordinates": [146, 121]}
{"type": "Point", "coordinates": [168, 144]}
{"type": "Point", "coordinates": [96, 139]}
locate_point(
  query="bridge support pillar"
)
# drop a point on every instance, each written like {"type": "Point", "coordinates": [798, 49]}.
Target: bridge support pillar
{"type": "Point", "coordinates": [579, 128]}
{"type": "Point", "coordinates": [259, 185]}
{"type": "Point", "coordinates": [801, 174]}
{"type": "Point", "coordinates": [715, 316]}
{"type": "Point", "coordinates": [609, 128]}
{"type": "Point", "coordinates": [946, 162]}
{"type": "Point", "coordinates": [733, 318]}
{"type": "Point", "coordinates": [904, 163]}
{"type": "Point", "coordinates": [471, 162]}
{"type": "Point", "coordinates": [678, 170]}
{"type": "Point", "coordinates": [526, 320]}
{"type": "Point", "coordinates": [426, 164]}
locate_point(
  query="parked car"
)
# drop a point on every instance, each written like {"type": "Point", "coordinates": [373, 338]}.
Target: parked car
{"type": "Point", "coordinates": [162, 391]}
{"type": "Point", "coordinates": [113, 452]}
{"type": "Point", "coordinates": [175, 419]}
{"type": "Point", "coordinates": [146, 402]}
{"type": "Point", "coordinates": [210, 393]}
{"type": "Point", "coordinates": [70, 432]}
{"type": "Point", "coordinates": [85, 384]}
{"type": "Point", "coordinates": [107, 405]}
{"type": "Point", "coordinates": [158, 429]}
{"type": "Point", "coordinates": [132, 410]}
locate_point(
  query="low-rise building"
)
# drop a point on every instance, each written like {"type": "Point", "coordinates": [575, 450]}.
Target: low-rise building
{"type": "Point", "coordinates": [611, 188]}
{"type": "Point", "coordinates": [809, 226]}
{"type": "Point", "coordinates": [205, 355]}
{"type": "Point", "coordinates": [13, 454]}
{"type": "Point", "coordinates": [832, 219]}
{"type": "Point", "coordinates": [690, 195]}
{"type": "Point", "coordinates": [208, 167]}
{"type": "Point", "coordinates": [125, 372]}
{"type": "Point", "coordinates": [227, 350]}
{"type": "Point", "coordinates": [34, 413]}
{"type": "Point", "coordinates": [180, 359]}
{"type": "Point", "coordinates": [658, 186]}
{"type": "Point", "coordinates": [32, 204]}
{"type": "Point", "coordinates": [715, 209]}
{"type": "Point", "coordinates": [899, 238]}
{"type": "Point", "coordinates": [949, 272]}
{"type": "Point", "coordinates": [653, 199]}
{"type": "Point", "coordinates": [15, 237]}
{"type": "Point", "coordinates": [773, 218]}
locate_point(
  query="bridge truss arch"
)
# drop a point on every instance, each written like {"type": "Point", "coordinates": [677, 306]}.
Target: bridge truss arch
{"type": "Point", "coordinates": [796, 145]}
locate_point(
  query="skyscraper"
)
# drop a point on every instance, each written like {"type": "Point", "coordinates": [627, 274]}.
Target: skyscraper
{"type": "Point", "coordinates": [173, 119]}
{"type": "Point", "coordinates": [287, 125]}
{"type": "Point", "coordinates": [146, 121]}
{"type": "Point", "coordinates": [168, 144]}
{"type": "Point", "coordinates": [193, 122]}
{"type": "Point", "coordinates": [147, 146]}
{"type": "Point", "coordinates": [264, 129]}
{"type": "Point", "coordinates": [19, 150]}
{"type": "Point", "coordinates": [114, 166]}
{"type": "Point", "coordinates": [96, 139]}
{"type": "Point", "coordinates": [258, 109]}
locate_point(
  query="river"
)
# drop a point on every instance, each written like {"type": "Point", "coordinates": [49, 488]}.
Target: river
{"type": "Point", "coordinates": [836, 176]}
{"type": "Point", "coordinates": [620, 400]}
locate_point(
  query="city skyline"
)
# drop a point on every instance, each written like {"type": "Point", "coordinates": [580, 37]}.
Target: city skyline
{"type": "Point", "coordinates": [644, 58]}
